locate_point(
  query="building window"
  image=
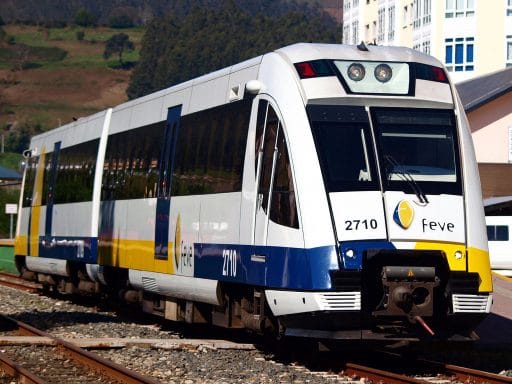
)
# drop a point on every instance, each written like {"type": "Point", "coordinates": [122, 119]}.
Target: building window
{"type": "Point", "coordinates": [427, 11]}
{"type": "Point", "coordinates": [346, 34]}
{"type": "Point", "coordinates": [355, 30]}
{"type": "Point", "coordinates": [509, 51]}
{"type": "Point", "coordinates": [391, 24]}
{"type": "Point", "coordinates": [380, 31]}
{"type": "Point", "coordinates": [356, 3]}
{"type": "Point", "coordinates": [459, 54]}
{"type": "Point", "coordinates": [509, 7]}
{"type": "Point", "coordinates": [459, 8]}
{"type": "Point", "coordinates": [426, 47]}
{"type": "Point", "coordinates": [416, 5]}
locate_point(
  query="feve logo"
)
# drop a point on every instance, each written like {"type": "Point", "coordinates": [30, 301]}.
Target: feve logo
{"type": "Point", "coordinates": [403, 215]}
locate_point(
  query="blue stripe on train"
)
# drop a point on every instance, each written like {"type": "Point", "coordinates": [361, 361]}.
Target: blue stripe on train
{"type": "Point", "coordinates": [274, 267]}
{"type": "Point", "coordinates": [82, 249]}
{"type": "Point", "coordinates": [277, 267]}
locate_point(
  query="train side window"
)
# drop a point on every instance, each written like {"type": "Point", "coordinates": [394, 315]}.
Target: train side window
{"type": "Point", "coordinates": [210, 150]}
{"type": "Point", "coordinates": [269, 146]}
{"type": "Point", "coordinates": [75, 173]}
{"type": "Point", "coordinates": [30, 178]}
{"type": "Point", "coordinates": [502, 233]}
{"type": "Point", "coordinates": [260, 128]}
{"type": "Point", "coordinates": [131, 163]}
{"type": "Point", "coordinates": [497, 233]}
{"type": "Point", "coordinates": [283, 209]}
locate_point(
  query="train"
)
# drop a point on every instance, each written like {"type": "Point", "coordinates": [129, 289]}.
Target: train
{"type": "Point", "coordinates": [500, 245]}
{"type": "Point", "coordinates": [321, 191]}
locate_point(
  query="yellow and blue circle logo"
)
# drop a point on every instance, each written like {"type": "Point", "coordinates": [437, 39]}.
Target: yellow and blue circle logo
{"type": "Point", "coordinates": [404, 213]}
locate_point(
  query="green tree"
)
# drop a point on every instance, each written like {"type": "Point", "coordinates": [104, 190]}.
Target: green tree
{"type": "Point", "coordinates": [85, 18]}
{"type": "Point", "coordinates": [178, 48]}
{"type": "Point", "coordinates": [121, 21]}
{"type": "Point", "coordinates": [118, 43]}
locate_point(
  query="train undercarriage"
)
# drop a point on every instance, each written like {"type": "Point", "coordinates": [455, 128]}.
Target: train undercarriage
{"type": "Point", "coordinates": [398, 302]}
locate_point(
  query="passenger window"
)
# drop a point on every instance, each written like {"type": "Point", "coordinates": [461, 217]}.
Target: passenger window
{"type": "Point", "coordinates": [502, 233]}
{"type": "Point", "coordinates": [497, 233]}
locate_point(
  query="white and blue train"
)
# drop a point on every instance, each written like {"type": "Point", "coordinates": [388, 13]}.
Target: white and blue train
{"type": "Point", "coordinates": [327, 191]}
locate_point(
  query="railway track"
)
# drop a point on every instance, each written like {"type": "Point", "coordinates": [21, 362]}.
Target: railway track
{"type": "Point", "coordinates": [431, 372]}
{"type": "Point", "coordinates": [12, 281]}
{"type": "Point", "coordinates": [92, 367]}
{"type": "Point", "coordinates": [388, 370]}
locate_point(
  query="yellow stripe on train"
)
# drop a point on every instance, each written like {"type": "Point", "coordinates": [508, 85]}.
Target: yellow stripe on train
{"type": "Point", "coordinates": [474, 260]}
{"type": "Point", "coordinates": [134, 254]}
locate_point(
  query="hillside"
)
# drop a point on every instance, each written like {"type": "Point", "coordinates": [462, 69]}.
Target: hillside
{"type": "Point", "coordinates": [41, 91]}
{"type": "Point", "coordinates": [139, 11]}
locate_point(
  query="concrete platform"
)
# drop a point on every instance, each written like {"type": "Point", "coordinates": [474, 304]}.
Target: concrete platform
{"type": "Point", "coordinates": [497, 327]}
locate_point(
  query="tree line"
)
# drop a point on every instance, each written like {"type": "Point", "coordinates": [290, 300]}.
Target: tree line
{"type": "Point", "coordinates": [178, 48]}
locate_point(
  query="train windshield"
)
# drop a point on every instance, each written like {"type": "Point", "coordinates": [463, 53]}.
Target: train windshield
{"type": "Point", "coordinates": [416, 148]}
{"type": "Point", "coordinates": [344, 145]}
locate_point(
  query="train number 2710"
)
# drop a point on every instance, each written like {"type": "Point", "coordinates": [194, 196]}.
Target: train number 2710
{"type": "Point", "coordinates": [229, 262]}
{"type": "Point", "coordinates": [354, 225]}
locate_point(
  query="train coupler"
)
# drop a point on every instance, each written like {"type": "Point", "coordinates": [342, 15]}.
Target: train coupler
{"type": "Point", "coordinates": [409, 291]}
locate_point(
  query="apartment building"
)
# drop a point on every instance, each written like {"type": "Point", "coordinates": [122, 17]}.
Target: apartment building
{"type": "Point", "coordinates": [471, 37]}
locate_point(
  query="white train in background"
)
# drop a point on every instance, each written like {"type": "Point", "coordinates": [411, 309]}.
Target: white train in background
{"type": "Point", "coordinates": [500, 243]}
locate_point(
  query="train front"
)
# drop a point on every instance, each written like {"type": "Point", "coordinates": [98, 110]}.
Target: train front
{"type": "Point", "coordinates": [403, 190]}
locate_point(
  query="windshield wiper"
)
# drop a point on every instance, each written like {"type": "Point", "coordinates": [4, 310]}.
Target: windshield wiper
{"type": "Point", "coordinates": [407, 177]}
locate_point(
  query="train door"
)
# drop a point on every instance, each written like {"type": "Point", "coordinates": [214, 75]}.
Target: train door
{"type": "Point", "coordinates": [163, 202]}
{"type": "Point", "coordinates": [276, 210]}
{"type": "Point", "coordinates": [267, 127]}
{"type": "Point", "coordinates": [50, 193]}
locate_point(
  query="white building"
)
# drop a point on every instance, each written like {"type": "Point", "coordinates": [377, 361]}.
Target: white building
{"type": "Point", "coordinates": [472, 37]}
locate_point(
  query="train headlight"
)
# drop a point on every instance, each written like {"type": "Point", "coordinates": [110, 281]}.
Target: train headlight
{"type": "Point", "coordinates": [458, 255]}
{"type": "Point", "coordinates": [383, 73]}
{"type": "Point", "coordinates": [389, 78]}
{"type": "Point", "coordinates": [350, 253]}
{"type": "Point", "coordinates": [356, 72]}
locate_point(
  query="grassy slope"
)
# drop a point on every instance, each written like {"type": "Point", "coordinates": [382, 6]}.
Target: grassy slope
{"type": "Point", "coordinates": [79, 85]}
{"type": "Point", "coordinates": [56, 91]}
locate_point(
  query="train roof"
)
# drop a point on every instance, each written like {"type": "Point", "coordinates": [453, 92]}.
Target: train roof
{"type": "Point", "coordinates": [294, 53]}
{"type": "Point", "coordinates": [300, 52]}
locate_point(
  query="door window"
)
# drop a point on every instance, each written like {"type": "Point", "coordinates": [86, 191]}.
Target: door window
{"type": "Point", "coordinates": [275, 187]}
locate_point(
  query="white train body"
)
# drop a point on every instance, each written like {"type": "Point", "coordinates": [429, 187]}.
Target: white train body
{"type": "Point", "coordinates": [237, 198]}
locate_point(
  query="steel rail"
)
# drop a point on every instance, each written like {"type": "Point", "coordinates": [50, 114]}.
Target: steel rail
{"type": "Point", "coordinates": [469, 375]}
{"type": "Point", "coordinates": [13, 281]}
{"type": "Point", "coordinates": [379, 376]}
{"type": "Point", "coordinates": [94, 362]}
{"type": "Point", "coordinates": [22, 375]}
{"type": "Point", "coordinates": [464, 374]}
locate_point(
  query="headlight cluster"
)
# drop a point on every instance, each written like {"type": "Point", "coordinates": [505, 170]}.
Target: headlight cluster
{"type": "Point", "coordinates": [357, 72]}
